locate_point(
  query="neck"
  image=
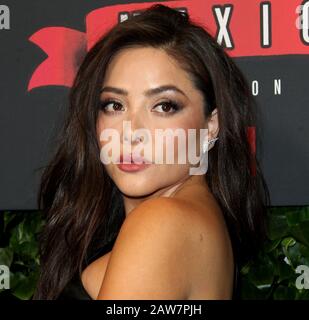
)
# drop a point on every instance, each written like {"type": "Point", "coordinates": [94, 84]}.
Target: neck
{"type": "Point", "coordinates": [131, 203]}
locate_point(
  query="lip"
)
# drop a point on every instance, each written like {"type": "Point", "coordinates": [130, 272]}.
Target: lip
{"type": "Point", "coordinates": [131, 166]}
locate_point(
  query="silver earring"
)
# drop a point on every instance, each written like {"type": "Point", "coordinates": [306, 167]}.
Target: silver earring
{"type": "Point", "coordinates": [211, 142]}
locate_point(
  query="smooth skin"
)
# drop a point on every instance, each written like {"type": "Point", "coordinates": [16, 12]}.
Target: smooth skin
{"type": "Point", "coordinates": [167, 248]}
{"type": "Point", "coordinates": [173, 243]}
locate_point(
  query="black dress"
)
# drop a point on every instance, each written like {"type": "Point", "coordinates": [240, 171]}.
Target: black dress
{"type": "Point", "coordinates": [74, 289]}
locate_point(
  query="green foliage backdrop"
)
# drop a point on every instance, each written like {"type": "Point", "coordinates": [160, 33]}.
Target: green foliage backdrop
{"type": "Point", "coordinates": [272, 275]}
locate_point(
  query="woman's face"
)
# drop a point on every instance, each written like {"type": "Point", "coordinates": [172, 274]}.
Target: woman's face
{"type": "Point", "coordinates": [133, 72]}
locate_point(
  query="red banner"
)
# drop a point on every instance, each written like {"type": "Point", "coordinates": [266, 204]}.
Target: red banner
{"type": "Point", "coordinates": [243, 28]}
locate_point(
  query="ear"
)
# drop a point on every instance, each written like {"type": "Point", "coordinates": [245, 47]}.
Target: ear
{"type": "Point", "coordinates": [212, 124]}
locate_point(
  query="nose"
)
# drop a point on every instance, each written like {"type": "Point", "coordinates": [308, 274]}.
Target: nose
{"type": "Point", "coordinates": [134, 127]}
{"type": "Point", "coordinates": [136, 136]}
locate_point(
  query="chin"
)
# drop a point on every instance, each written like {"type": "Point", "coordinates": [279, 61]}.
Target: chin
{"type": "Point", "coordinates": [136, 193]}
{"type": "Point", "coordinates": [135, 186]}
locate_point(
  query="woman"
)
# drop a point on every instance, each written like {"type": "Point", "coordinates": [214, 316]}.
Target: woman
{"type": "Point", "coordinates": [154, 231]}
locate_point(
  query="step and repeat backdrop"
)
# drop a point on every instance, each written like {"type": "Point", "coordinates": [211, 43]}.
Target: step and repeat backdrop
{"type": "Point", "coordinates": [42, 44]}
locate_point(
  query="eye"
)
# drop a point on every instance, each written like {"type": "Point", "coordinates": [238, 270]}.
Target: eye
{"type": "Point", "coordinates": [110, 106]}
{"type": "Point", "coordinates": [168, 107]}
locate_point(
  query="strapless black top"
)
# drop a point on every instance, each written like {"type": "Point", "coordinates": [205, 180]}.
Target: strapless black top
{"type": "Point", "coordinates": [74, 290]}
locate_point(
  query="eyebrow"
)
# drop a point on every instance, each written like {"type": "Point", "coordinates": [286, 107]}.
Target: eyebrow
{"type": "Point", "coordinates": [147, 93]}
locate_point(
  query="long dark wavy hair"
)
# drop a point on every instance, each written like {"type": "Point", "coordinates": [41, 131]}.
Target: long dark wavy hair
{"type": "Point", "coordinates": [84, 208]}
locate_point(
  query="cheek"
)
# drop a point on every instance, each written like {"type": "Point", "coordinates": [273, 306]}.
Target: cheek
{"type": "Point", "coordinates": [181, 144]}
{"type": "Point", "coordinates": [105, 124]}
{"type": "Point", "coordinates": [195, 123]}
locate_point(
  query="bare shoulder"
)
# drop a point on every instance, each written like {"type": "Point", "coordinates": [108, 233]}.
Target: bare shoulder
{"type": "Point", "coordinates": [162, 250]}
{"type": "Point", "coordinates": [199, 221]}
{"type": "Point", "coordinates": [148, 260]}
{"type": "Point", "coordinates": [172, 212]}
{"type": "Point", "coordinates": [208, 244]}
{"type": "Point", "coordinates": [212, 261]}
{"type": "Point", "coordinates": [179, 219]}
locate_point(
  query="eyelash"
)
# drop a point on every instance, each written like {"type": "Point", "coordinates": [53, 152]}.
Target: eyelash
{"type": "Point", "coordinates": [175, 105]}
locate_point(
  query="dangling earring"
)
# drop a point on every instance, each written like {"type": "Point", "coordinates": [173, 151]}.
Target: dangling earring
{"type": "Point", "coordinates": [211, 142]}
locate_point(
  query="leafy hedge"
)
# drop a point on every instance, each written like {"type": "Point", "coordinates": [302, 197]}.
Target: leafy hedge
{"type": "Point", "coordinates": [272, 275]}
{"type": "Point", "coordinates": [19, 251]}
